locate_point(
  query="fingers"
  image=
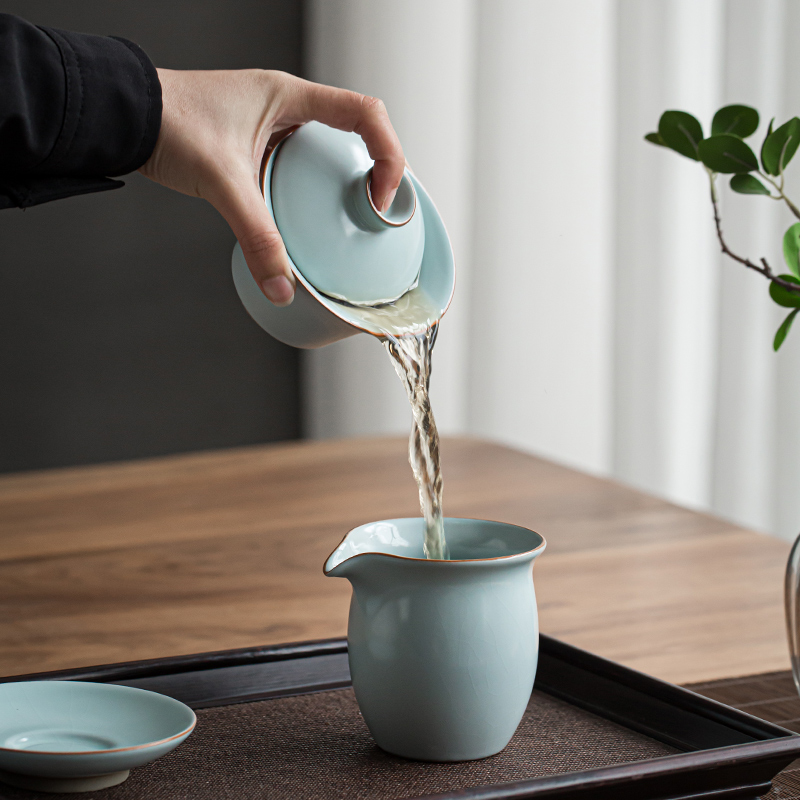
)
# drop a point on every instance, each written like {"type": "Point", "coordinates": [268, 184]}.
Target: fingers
{"type": "Point", "coordinates": [243, 208]}
{"type": "Point", "coordinates": [366, 116]}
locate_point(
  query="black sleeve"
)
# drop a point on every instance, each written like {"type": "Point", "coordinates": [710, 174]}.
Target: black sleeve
{"type": "Point", "coordinates": [74, 109]}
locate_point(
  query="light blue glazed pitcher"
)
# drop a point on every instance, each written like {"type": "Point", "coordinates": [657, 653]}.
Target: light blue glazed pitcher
{"type": "Point", "coordinates": [442, 654]}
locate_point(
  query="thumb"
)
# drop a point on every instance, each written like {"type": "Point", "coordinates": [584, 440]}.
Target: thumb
{"type": "Point", "coordinates": [244, 209]}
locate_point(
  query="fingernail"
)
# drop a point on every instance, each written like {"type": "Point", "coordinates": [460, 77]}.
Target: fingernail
{"type": "Point", "coordinates": [387, 203]}
{"type": "Point", "coordinates": [278, 290]}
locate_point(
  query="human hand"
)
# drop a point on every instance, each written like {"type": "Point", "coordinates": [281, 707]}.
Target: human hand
{"type": "Point", "coordinates": [215, 128]}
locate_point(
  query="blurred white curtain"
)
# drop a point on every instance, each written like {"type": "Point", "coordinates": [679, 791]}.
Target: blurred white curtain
{"type": "Point", "coordinates": [419, 58]}
{"type": "Point", "coordinates": [595, 322]}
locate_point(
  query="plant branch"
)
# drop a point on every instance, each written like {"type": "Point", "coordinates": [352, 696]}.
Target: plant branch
{"type": "Point", "coordinates": [763, 268]}
{"type": "Point", "coordinates": [781, 196]}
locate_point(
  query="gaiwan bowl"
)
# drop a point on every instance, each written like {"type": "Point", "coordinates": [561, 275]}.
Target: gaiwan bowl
{"type": "Point", "coordinates": [75, 736]}
{"type": "Point", "coordinates": [329, 238]}
{"type": "Point", "coordinates": [443, 654]}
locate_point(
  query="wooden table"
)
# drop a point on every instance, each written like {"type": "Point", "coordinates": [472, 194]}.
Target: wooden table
{"type": "Point", "coordinates": [220, 550]}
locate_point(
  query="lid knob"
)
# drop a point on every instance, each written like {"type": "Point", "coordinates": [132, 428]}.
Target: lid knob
{"type": "Point", "coordinates": [366, 214]}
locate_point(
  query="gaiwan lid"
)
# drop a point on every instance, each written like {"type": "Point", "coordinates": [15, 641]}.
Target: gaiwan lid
{"type": "Point", "coordinates": [335, 236]}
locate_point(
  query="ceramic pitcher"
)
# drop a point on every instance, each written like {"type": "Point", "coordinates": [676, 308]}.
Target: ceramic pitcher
{"type": "Point", "coordinates": [442, 654]}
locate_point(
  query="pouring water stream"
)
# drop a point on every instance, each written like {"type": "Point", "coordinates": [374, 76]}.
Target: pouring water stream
{"type": "Point", "coordinates": [409, 328]}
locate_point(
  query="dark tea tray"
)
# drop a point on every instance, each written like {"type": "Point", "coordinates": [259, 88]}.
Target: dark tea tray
{"type": "Point", "coordinates": [282, 722]}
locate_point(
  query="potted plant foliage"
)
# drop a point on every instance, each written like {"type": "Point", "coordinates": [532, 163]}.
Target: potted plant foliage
{"type": "Point", "coordinates": [725, 152]}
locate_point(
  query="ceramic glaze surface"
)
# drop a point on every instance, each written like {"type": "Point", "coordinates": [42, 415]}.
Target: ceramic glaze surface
{"type": "Point", "coordinates": [340, 242]}
{"type": "Point", "coordinates": [74, 729]}
{"type": "Point", "coordinates": [315, 319]}
{"type": "Point", "coordinates": [442, 654]}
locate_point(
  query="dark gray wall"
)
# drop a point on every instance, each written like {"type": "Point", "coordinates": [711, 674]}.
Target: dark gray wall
{"type": "Point", "coordinates": [121, 335]}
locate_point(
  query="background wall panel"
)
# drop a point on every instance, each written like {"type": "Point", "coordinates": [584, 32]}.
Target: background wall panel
{"type": "Point", "coordinates": [121, 335]}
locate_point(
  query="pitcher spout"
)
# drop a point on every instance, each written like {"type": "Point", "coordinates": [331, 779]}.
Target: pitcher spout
{"type": "Point", "coordinates": [338, 566]}
{"type": "Point", "coordinates": [400, 537]}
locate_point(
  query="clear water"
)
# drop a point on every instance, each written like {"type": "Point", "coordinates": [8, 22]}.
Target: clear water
{"type": "Point", "coordinates": [408, 333]}
{"type": "Point", "coordinates": [411, 358]}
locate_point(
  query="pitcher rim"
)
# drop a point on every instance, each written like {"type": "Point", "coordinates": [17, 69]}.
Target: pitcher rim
{"type": "Point", "coordinates": [535, 551]}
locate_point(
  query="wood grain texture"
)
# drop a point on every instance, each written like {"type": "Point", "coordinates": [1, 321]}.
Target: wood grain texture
{"type": "Point", "coordinates": [220, 550]}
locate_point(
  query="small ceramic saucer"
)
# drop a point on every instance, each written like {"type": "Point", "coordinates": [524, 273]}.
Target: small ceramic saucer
{"type": "Point", "coordinates": [73, 736]}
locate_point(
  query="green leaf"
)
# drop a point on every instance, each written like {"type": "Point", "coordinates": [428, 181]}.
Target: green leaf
{"type": "Point", "coordinates": [780, 146]}
{"type": "Point", "coordinates": [738, 120]}
{"type": "Point", "coordinates": [727, 153]}
{"type": "Point", "coordinates": [748, 184]}
{"type": "Point", "coordinates": [784, 329]}
{"type": "Point", "coordinates": [655, 138]}
{"type": "Point", "coordinates": [791, 249]}
{"type": "Point", "coordinates": [768, 134]}
{"type": "Point", "coordinates": [784, 297]}
{"type": "Point", "coordinates": [681, 132]}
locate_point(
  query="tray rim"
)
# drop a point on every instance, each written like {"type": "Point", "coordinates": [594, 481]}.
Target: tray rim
{"type": "Point", "coordinates": [192, 662]}
{"type": "Point", "coordinates": [678, 696]}
{"type": "Point", "coordinates": [771, 747]}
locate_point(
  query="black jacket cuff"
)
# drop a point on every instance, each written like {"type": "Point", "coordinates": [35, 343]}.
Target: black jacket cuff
{"type": "Point", "coordinates": [28, 192]}
{"type": "Point", "coordinates": [112, 112]}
